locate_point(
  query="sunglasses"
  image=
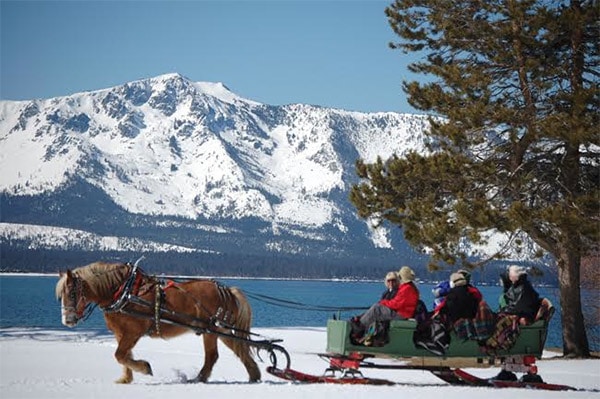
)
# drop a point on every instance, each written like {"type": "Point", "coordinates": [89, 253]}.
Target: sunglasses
{"type": "Point", "coordinates": [392, 279]}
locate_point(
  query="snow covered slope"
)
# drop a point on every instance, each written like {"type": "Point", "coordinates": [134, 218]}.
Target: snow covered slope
{"type": "Point", "coordinates": [167, 147]}
{"type": "Point", "coordinates": [194, 167]}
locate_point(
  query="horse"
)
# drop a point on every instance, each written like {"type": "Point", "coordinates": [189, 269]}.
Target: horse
{"type": "Point", "coordinates": [136, 304]}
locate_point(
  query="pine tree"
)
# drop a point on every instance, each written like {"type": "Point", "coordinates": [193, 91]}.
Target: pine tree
{"type": "Point", "coordinates": [513, 94]}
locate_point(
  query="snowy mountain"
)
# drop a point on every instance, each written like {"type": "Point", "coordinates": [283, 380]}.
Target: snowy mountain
{"type": "Point", "coordinates": [193, 165]}
{"type": "Point", "coordinates": [59, 237]}
{"type": "Point", "coordinates": [169, 146]}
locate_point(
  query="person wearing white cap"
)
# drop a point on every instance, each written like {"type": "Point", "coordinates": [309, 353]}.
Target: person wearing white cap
{"type": "Point", "coordinates": [460, 302]}
{"type": "Point", "coordinates": [519, 298]}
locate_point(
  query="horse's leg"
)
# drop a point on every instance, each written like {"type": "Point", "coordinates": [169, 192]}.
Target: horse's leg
{"type": "Point", "coordinates": [124, 356]}
{"type": "Point", "coordinates": [211, 354]}
{"type": "Point", "coordinates": [127, 375]}
{"type": "Point", "coordinates": [242, 351]}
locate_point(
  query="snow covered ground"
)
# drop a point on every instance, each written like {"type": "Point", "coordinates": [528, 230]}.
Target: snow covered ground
{"type": "Point", "coordinates": [79, 364]}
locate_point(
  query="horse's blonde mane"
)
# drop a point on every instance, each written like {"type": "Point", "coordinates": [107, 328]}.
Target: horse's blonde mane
{"type": "Point", "coordinates": [100, 276]}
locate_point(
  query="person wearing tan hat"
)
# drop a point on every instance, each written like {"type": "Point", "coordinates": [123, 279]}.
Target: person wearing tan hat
{"type": "Point", "coordinates": [406, 274]}
{"type": "Point", "coordinates": [401, 306]}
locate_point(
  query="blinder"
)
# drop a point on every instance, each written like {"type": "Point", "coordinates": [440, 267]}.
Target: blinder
{"type": "Point", "coordinates": [78, 309]}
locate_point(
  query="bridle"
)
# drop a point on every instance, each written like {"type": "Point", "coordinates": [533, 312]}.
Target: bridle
{"type": "Point", "coordinates": [82, 309]}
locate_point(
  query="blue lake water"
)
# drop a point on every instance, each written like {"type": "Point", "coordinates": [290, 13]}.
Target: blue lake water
{"type": "Point", "coordinates": [29, 301]}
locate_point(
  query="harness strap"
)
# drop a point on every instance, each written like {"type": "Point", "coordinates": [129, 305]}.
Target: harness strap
{"type": "Point", "coordinates": [157, 308]}
{"type": "Point", "coordinates": [220, 319]}
{"type": "Point", "coordinates": [170, 284]}
{"type": "Point", "coordinates": [130, 287]}
{"type": "Point", "coordinates": [77, 296]}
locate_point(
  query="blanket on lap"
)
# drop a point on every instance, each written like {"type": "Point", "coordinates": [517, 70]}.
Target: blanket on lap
{"type": "Point", "coordinates": [479, 328]}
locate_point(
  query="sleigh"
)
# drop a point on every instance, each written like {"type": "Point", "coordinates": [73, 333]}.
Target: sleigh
{"type": "Point", "coordinates": [530, 342]}
{"type": "Point", "coordinates": [347, 357]}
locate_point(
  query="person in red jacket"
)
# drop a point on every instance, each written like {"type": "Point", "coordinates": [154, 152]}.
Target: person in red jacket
{"type": "Point", "coordinates": [401, 306]}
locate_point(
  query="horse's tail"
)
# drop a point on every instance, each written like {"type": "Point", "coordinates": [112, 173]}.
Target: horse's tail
{"type": "Point", "coordinates": [243, 322]}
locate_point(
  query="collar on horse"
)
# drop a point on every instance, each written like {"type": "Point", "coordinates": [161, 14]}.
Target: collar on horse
{"type": "Point", "coordinates": [130, 287]}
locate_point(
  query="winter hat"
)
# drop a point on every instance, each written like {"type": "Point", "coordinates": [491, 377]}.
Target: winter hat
{"type": "Point", "coordinates": [466, 274]}
{"type": "Point", "coordinates": [515, 271]}
{"type": "Point", "coordinates": [457, 279]}
{"type": "Point", "coordinates": [406, 274]}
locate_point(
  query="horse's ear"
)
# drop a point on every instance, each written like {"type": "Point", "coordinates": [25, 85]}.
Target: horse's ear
{"type": "Point", "coordinates": [69, 274]}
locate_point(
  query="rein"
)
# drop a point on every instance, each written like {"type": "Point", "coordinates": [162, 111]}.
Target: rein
{"type": "Point", "coordinates": [76, 296]}
{"type": "Point", "coordinates": [87, 312]}
{"type": "Point", "coordinates": [284, 303]}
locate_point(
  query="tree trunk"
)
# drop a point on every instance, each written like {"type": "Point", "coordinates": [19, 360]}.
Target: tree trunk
{"type": "Point", "coordinates": [575, 342]}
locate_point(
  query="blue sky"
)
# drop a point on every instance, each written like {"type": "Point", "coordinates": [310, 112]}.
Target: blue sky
{"type": "Point", "coordinates": [329, 53]}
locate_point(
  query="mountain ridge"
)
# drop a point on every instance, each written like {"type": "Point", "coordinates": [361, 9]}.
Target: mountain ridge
{"type": "Point", "coordinates": [155, 158]}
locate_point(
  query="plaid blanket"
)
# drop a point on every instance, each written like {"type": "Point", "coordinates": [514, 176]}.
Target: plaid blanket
{"type": "Point", "coordinates": [507, 328]}
{"type": "Point", "coordinates": [506, 334]}
{"type": "Point", "coordinates": [480, 328]}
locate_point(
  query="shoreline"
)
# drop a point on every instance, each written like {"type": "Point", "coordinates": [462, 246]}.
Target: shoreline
{"type": "Point", "coordinates": [170, 276]}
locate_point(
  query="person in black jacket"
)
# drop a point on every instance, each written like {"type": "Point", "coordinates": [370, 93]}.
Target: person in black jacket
{"type": "Point", "coordinates": [460, 302]}
{"type": "Point", "coordinates": [392, 282]}
{"type": "Point", "coordinates": [519, 298]}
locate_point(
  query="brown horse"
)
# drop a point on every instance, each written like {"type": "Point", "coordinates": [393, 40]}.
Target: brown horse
{"type": "Point", "coordinates": [135, 305]}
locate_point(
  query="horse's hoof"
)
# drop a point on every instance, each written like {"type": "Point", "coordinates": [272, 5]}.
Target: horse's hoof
{"type": "Point", "coordinates": [147, 369]}
{"type": "Point", "coordinates": [123, 380]}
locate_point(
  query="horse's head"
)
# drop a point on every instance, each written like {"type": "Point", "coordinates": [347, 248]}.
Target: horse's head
{"type": "Point", "coordinates": [71, 290]}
